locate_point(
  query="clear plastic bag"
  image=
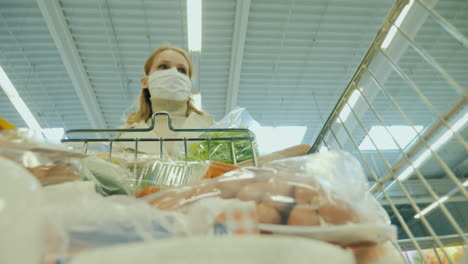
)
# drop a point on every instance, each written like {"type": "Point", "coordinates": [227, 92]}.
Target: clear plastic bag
{"type": "Point", "coordinates": [80, 219]}
{"type": "Point", "coordinates": [321, 190]}
{"type": "Point", "coordinates": [109, 178]}
{"type": "Point", "coordinates": [239, 117]}
{"type": "Point", "coordinates": [160, 174]}
{"type": "Point", "coordinates": [221, 150]}
{"type": "Point", "coordinates": [49, 163]}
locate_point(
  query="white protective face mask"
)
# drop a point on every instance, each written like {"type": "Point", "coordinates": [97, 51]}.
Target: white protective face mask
{"type": "Point", "coordinates": [170, 84]}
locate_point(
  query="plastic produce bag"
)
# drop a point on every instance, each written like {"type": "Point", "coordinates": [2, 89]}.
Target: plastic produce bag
{"type": "Point", "coordinates": [80, 219]}
{"type": "Point", "coordinates": [169, 173]}
{"type": "Point", "coordinates": [315, 193]}
{"type": "Point", "coordinates": [221, 150]}
{"type": "Point", "coordinates": [225, 250]}
{"type": "Point", "coordinates": [49, 163]}
{"type": "Point", "coordinates": [109, 178]}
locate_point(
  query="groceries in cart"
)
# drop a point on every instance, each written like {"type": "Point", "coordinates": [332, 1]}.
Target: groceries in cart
{"type": "Point", "coordinates": [227, 151]}
{"type": "Point", "coordinates": [79, 219]}
{"type": "Point", "coordinates": [306, 196]}
{"type": "Point", "coordinates": [49, 163]}
{"type": "Point", "coordinates": [232, 250]}
{"type": "Point", "coordinates": [312, 192]}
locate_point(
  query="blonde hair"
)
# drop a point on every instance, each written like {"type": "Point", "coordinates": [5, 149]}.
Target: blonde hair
{"type": "Point", "coordinates": [144, 110]}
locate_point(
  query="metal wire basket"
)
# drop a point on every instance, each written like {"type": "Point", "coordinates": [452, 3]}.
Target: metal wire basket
{"type": "Point", "coordinates": [110, 140]}
{"type": "Point", "coordinates": [406, 83]}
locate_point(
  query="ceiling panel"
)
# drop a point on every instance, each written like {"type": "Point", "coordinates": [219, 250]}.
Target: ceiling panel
{"type": "Point", "coordinates": [30, 59]}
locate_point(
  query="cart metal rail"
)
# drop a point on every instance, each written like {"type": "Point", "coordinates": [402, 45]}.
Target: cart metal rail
{"type": "Point", "coordinates": [231, 140]}
{"type": "Point", "coordinates": [402, 180]}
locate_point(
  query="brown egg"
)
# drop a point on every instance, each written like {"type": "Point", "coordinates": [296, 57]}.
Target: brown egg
{"type": "Point", "coordinates": [252, 192]}
{"type": "Point", "coordinates": [230, 188]}
{"type": "Point", "coordinates": [280, 186]}
{"type": "Point", "coordinates": [279, 202]}
{"type": "Point", "coordinates": [338, 212]}
{"type": "Point", "coordinates": [279, 194]}
{"type": "Point", "coordinates": [309, 193]}
{"type": "Point", "coordinates": [303, 216]}
{"type": "Point", "coordinates": [267, 214]}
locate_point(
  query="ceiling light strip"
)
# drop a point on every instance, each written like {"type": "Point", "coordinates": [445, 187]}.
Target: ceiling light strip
{"type": "Point", "coordinates": [194, 25]}
{"type": "Point", "coordinates": [18, 102]}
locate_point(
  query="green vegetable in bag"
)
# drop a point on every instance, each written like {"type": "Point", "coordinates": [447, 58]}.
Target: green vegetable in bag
{"type": "Point", "coordinates": [221, 150]}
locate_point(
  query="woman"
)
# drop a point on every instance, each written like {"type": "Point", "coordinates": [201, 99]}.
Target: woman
{"type": "Point", "coordinates": [166, 88]}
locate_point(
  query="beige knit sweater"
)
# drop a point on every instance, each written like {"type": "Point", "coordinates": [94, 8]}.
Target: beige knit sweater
{"type": "Point", "coordinates": [178, 111]}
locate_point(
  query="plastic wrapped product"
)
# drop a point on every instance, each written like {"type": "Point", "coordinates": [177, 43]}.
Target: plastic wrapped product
{"type": "Point", "coordinates": [169, 173]}
{"type": "Point", "coordinates": [109, 178]}
{"type": "Point", "coordinates": [21, 222]}
{"type": "Point", "coordinates": [220, 151]}
{"type": "Point", "coordinates": [49, 163]}
{"type": "Point", "coordinates": [226, 250]}
{"type": "Point", "coordinates": [308, 195]}
{"type": "Point", "coordinates": [217, 169]}
{"type": "Point", "coordinates": [80, 219]}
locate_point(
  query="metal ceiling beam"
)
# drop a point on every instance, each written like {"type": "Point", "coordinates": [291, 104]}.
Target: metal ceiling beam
{"type": "Point", "coordinates": [237, 52]}
{"type": "Point", "coordinates": [58, 28]}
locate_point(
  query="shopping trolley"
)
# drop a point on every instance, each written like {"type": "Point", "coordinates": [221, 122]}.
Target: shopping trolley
{"type": "Point", "coordinates": [408, 87]}
{"type": "Point", "coordinates": [105, 138]}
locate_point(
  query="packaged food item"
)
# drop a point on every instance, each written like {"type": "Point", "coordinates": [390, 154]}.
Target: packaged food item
{"type": "Point", "coordinates": [217, 169]}
{"type": "Point", "coordinates": [226, 250]}
{"type": "Point", "coordinates": [307, 191]}
{"type": "Point", "coordinates": [220, 151]}
{"type": "Point", "coordinates": [21, 222]}
{"type": "Point", "coordinates": [147, 191]}
{"type": "Point", "coordinates": [79, 219]}
{"type": "Point", "coordinates": [109, 178]}
{"type": "Point", "coordinates": [169, 173]}
{"type": "Point", "coordinates": [5, 124]}
{"type": "Point", "coordinates": [216, 216]}
{"type": "Point", "coordinates": [49, 163]}
{"type": "Point", "coordinates": [386, 253]}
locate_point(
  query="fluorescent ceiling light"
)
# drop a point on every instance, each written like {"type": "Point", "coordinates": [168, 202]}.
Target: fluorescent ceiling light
{"type": "Point", "coordinates": [271, 139]}
{"type": "Point", "coordinates": [440, 201]}
{"type": "Point", "coordinates": [344, 114]}
{"type": "Point", "coordinates": [436, 145]}
{"type": "Point", "coordinates": [431, 207]}
{"type": "Point", "coordinates": [54, 134]}
{"type": "Point", "coordinates": [194, 24]}
{"type": "Point", "coordinates": [18, 102]}
{"type": "Point", "coordinates": [391, 33]}
{"type": "Point", "coordinates": [382, 137]}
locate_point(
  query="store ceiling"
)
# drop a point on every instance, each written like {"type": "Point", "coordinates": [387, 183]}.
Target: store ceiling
{"type": "Point", "coordinates": [297, 59]}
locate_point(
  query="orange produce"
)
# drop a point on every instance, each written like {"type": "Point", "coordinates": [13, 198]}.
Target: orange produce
{"type": "Point", "coordinates": [217, 169]}
{"type": "Point", "coordinates": [147, 190]}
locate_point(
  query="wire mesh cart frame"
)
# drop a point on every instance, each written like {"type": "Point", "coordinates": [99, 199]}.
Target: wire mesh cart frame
{"type": "Point", "coordinates": [185, 140]}
{"type": "Point", "coordinates": [338, 132]}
